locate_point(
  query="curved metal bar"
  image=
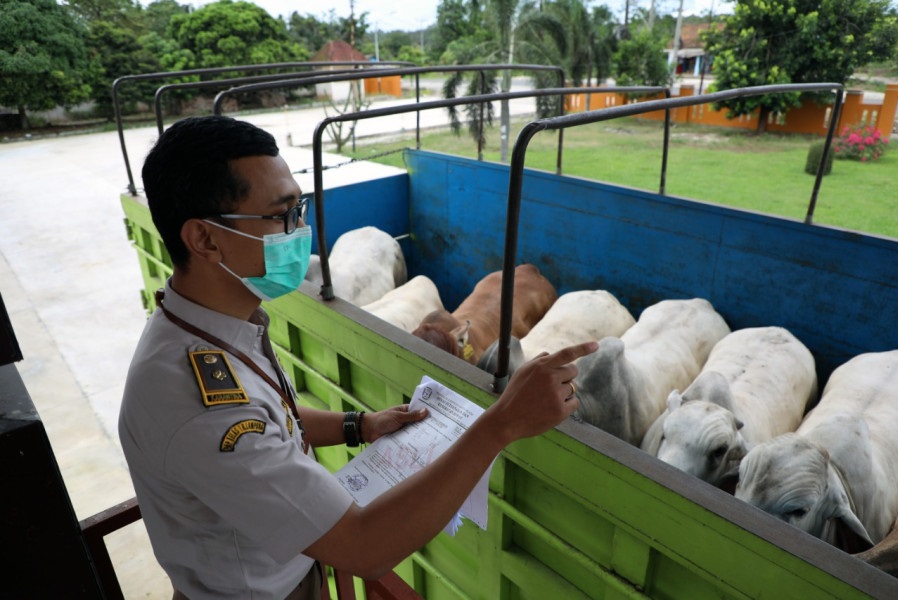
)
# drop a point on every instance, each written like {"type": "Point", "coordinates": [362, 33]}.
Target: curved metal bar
{"type": "Point", "coordinates": [445, 102]}
{"type": "Point", "coordinates": [665, 145]}
{"type": "Point", "coordinates": [212, 83]}
{"type": "Point", "coordinates": [821, 167]}
{"type": "Point", "coordinates": [367, 75]}
{"type": "Point", "coordinates": [628, 110]}
{"type": "Point", "coordinates": [512, 219]}
{"type": "Point", "coordinates": [418, 115]}
{"type": "Point", "coordinates": [327, 291]}
{"type": "Point", "coordinates": [480, 123]}
{"type": "Point", "coordinates": [327, 286]}
{"type": "Point", "coordinates": [516, 177]}
{"type": "Point", "coordinates": [117, 109]}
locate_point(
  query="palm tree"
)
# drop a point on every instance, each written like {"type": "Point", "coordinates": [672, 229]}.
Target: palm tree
{"type": "Point", "coordinates": [556, 32]}
{"type": "Point", "coordinates": [503, 18]}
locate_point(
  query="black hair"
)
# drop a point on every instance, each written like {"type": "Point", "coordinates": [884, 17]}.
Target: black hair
{"type": "Point", "coordinates": [187, 174]}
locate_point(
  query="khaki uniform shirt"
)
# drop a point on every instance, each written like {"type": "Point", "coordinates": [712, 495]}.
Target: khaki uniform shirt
{"type": "Point", "coordinates": [228, 496]}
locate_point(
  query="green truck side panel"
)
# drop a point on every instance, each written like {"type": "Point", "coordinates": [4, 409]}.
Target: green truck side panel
{"type": "Point", "coordinates": [574, 513]}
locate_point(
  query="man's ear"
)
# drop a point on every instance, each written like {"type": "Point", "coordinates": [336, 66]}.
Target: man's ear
{"type": "Point", "coordinates": [200, 239]}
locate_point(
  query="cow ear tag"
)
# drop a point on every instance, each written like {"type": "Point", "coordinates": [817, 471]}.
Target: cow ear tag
{"type": "Point", "coordinates": [467, 350]}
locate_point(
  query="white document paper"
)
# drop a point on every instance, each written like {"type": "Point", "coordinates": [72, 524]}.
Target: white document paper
{"type": "Point", "coordinates": [392, 458]}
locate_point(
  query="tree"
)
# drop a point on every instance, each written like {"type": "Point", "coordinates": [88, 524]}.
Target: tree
{"type": "Point", "coordinates": [42, 57]}
{"type": "Point", "coordinates": [456, 20]}
{"type": "Point", "coordinates": [313, 34]}
{"type": "Point", "coordinates": [561, 33]}
{"type": "Point", "coordinates": [117, 52]}
{"type": "Point", "coordinates": [640, 60]}
{"type": "Point", "coordinates": [768, 42]}
{"type": "Point", "coordinates": [119, 11]}
{"type": "Point", "coordinates": [393, 44]}
{"type": "Point", "coordinates": [582, 41]}
{"type": "Point", "coordinates": [603, 42]}
{"type": "Point", "coordinates": [504, 19]}
{"type": "Point", "coordinates": [228, 33]}
{"type": "Point", "coordinates": [158, 14]}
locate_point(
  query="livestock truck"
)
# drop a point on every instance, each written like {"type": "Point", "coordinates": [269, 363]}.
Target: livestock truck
{"type": "Point", "coordinates": [576, 512]}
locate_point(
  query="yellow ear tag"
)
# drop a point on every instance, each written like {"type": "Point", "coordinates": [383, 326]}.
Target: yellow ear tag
{"type": "Point", "coordinates": [468, 351]}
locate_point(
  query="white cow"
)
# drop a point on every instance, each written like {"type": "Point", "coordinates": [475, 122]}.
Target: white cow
{"type": "Point", "coordinates": [576, 317]}
{"type": "Point", "coordinates": [624, 385]}
{"type": "Point", "coordinates": [408, 304]}
{"type": "Point", "coordinates": [836, 477]}
{"type": "Point", "coordinates": [756, 384]}
{"type": "Point", "coordinates": [365, 264]}
{"type": "Point", "coordinates": [313, 273]}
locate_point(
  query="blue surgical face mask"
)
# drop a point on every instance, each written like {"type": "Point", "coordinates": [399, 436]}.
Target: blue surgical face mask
{"type": "Point", "coordinates": [286, 262]}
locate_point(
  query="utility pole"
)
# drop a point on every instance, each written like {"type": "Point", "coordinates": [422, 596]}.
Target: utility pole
{"type": "Point", "coordinates": [704, 57]}
{"type": "Point", "coordinates": [352, 22]}
{"type": "Point", "coordinates": [676, 42]}
{"type": "Point", "coordinates": [376, 45]}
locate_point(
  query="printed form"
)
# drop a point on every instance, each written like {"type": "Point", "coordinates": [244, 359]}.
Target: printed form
{"type": "Point", "coordinates": [392, 458]}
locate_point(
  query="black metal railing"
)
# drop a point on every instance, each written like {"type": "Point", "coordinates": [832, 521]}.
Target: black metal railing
{"type": "Point", "coordinates": [119, 82]}
{"type": "Point", "coordinates": [416, 71]}
{"type": "Point", "coordinates": [327, 291]}
{"type": "Point", "coordinates": [516, 176]}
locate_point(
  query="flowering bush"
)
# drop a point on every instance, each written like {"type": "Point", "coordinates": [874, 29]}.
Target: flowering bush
{"type": "Point", "coordinates": [859, 142]}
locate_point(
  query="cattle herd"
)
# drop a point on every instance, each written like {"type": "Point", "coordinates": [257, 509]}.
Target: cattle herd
{"type": "Point", "coordinates": [739, 409]}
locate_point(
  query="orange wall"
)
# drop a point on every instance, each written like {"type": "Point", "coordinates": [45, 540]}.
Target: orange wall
{"type": "Point", "coordinates": [391, 86]}
{"type": "Point", "coordinates": [808, 118]}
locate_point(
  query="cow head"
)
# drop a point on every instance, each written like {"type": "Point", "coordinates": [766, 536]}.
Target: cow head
{"type": "Point", "coordinates": [442, 330]}
{"type": "Point", "coordinates": [702, 439]}
{"type": "Point", "coordinates": [439, 337]}
{"type": "Point", "coordinates": [489, 360]}
{"type": "Point", "coordinates": [793, 479]}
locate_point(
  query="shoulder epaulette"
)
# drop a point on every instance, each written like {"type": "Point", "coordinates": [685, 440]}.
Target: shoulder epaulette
{"type": "Point", "coordinates": [217, 380]}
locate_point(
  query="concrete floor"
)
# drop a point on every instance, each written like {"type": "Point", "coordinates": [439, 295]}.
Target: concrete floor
{"type": "Point", "coordinates": [70, 281]}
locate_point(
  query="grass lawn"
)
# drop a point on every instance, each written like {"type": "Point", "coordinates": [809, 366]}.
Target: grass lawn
{"type": "Point", "coordinates": [724, 166]}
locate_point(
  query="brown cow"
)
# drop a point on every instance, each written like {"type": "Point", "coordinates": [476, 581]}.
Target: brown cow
{"type": "Point", "coordinates": [884, 555]}
{"type": "Point", "coordinates": [467, 332]}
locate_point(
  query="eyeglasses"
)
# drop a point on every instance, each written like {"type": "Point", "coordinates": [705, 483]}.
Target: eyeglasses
{"type": "Point", "coordinates": [290, 217]}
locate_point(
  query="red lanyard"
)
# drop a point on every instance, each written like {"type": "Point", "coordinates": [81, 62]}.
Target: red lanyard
{"type": "Point", "coordinates": [283, 389]}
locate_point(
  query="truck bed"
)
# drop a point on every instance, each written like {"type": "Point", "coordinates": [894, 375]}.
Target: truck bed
{"type": "Point", "coordinates": [577, 513]}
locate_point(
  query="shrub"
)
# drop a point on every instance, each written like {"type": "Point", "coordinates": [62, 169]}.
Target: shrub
{"type": "Point", "coordinates": [859, 142]}
{"type": "Point", "coordinates": [813, 161]}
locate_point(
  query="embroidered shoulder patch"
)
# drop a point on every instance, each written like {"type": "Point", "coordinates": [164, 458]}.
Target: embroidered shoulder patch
{"type": "Point", "coordinates": [229, 440]}
{"type": "Point", "coordinates": [217, 380]}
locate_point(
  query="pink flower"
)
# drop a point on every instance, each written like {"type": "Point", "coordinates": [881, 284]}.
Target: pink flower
{"type": "Point", "coordinates": [859, 142]}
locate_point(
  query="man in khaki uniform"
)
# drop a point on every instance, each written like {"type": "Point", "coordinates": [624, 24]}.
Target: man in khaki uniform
{"type": "Point", "coordinates": [234, 503]}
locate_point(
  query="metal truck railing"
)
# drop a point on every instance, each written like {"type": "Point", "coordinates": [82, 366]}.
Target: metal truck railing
{"type": "Point", "coordinates": [294, 80]}
{"type": "Point", "coordinates": [327, 291]}
{"type": "Point", "coordinates": [516, 177]}
{"type": "Point", "coordinates": [119, 82]}
{"type": "Point", "coordinates": [416, 71]}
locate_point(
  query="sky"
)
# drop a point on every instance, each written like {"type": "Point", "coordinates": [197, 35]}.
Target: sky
{"type": "Point", "coordinates": [412, 15]}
